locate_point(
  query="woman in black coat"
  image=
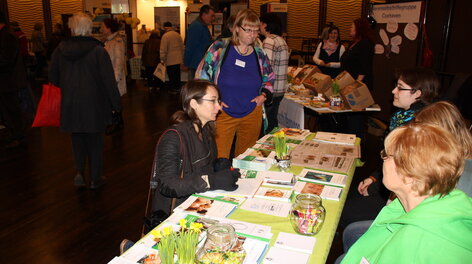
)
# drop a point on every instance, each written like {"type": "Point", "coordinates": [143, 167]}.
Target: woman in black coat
{"type": "Point", "coordinates": [357, 60]}
{"type": "Point", "coordinates": [81, 67]}
{"type": "Point", "coordinates": [185, 159]}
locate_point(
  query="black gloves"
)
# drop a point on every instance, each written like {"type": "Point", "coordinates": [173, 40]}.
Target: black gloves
{"type": "Point", "coordinates": [221, 164]}
{"type": "Point", "coordinates": [224, 179]}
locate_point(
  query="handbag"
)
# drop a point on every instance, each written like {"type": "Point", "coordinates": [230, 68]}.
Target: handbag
{"type": "Point", "coordinates": [160, 71]}
{"type": "Point", "coordinates": [153, 219]}
{"type": "Point", "coordinates": [49, 107]}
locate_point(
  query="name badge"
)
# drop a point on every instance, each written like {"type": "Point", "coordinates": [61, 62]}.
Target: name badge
{"type": "Point", "coordinates": [240, 63]}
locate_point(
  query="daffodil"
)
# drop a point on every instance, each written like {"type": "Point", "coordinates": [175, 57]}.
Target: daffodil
{"type": "Point", "coordinates": [196, 227]}
{"type": "Point", "coordinates": [167, 230]}
{"type": "Point", "coordinates": [183, 223]}
{"type": "Point", "coordinates": [156, 233]}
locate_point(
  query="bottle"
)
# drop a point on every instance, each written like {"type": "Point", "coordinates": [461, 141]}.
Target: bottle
{"type": "Point", "coordinates": [308, 214]}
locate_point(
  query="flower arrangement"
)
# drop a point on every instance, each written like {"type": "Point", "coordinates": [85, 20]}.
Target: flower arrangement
{"type": "Point", "coordinates": [281, 147]}
{"type": "Point", "coordinates": [182, 243]}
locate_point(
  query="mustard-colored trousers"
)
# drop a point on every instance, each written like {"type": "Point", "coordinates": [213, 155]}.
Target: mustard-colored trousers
{"type": "Point", "coordinates": [246, 129]}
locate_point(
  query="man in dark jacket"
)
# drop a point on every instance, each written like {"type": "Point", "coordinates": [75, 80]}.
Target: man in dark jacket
{"type": "Point", "coordinates": [150, 58]}
{"type": "Point", "coordinates": [12, 78]}
{"type": "Point", "coordinates": [198, 39]}
{"type": "Point", "coordinates": [82, 68]}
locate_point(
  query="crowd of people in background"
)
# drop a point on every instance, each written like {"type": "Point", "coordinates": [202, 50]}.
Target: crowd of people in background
{"type": "Point", "coordinates": [236, 84]}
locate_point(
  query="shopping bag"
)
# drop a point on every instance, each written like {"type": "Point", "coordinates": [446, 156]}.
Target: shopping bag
{"type": "Point", "coordinates": [49, 107]}
{"type": "Point", "coordinates": [160, 72]}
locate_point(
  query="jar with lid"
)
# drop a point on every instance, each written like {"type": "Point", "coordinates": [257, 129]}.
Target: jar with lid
{"type": "Point", "coordinates": [308, 214]}
{"type": "Point", "coordinates": [221, 246]}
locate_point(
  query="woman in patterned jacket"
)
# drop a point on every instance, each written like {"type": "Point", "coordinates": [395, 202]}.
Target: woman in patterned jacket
{"type": "Point", "coordinates": [240, 67]}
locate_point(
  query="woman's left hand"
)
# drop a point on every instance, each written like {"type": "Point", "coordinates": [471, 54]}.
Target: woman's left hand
{"type": "Point", "coordinates": [259, 100]}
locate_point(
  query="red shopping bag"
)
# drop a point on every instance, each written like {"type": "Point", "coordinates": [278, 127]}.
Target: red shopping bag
{"type": "Point", "coordinates": [49, 107]}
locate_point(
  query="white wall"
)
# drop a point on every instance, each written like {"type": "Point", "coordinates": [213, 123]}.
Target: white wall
{"type": "Point", "coordinates": [145, 12]}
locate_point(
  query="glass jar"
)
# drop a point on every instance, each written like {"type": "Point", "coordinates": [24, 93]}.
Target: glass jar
{"type": "Point", "coordinates": [308, 214]}
{"type": "Point", "coordinates": [221, 246]}
{"type": "Point", "coordinates": [336, 102]}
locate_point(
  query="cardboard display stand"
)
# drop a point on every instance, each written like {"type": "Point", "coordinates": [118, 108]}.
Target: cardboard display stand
{"type": "Point", "coordinates": [397, 38]}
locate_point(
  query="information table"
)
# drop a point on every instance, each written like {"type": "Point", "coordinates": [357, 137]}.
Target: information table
{"type": "Point", "coordinates": [292, 110]}
{"type": "Point", "coordinates": [282, 224]}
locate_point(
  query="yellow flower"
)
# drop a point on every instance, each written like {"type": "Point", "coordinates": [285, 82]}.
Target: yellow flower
{"type": "Point", "coordinates": [183, 223]}
{"type": "Point", "coordinates": [156, 233]}
{"type": "Point", "coordinates": [167, 230]}
{"type": "Point", "coordinates": [279, 134]}
{"type": "Point", "coordinates": [196, 227]}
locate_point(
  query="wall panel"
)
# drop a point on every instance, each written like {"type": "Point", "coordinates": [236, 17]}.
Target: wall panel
{"type": "Point", "coordinates": [342, 13]}
{"type": "Point", "coordinates": [59, 7]}
{"type": "Point", "coordinates": [302, 19]}
{"type": "Point", "coordinates": [27, 13]}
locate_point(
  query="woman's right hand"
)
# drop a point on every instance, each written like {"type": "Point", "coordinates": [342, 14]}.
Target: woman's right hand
{"type": "Point", "coordinates": [364, 185]}
{"type": "Point", "coordinates": [322, 63]}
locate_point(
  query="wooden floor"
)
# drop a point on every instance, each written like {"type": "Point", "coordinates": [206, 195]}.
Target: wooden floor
{"type": "Point", "coordinates": [45, 219]}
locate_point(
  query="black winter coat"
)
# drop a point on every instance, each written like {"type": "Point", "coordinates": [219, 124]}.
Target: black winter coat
{"type": "Point", "coordinates": [82, 68]}
{"type": "Point", "coordinates": [12, 69]}
{"type": "Point", "coordinates": [358, 59]}
{"type": "Point", "coordinates": [196, 157]}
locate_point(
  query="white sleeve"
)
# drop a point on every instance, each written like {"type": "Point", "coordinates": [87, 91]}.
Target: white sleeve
{"type": "Point", "coordinates": [316, 57]}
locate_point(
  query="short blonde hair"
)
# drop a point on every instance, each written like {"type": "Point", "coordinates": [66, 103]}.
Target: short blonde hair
{"type": "Point", "coordinates": [447, 116]}
{"type": "Point", "coordinates": [80, 24]}
{"type": "Point", "coordinates": [244, 18]}
{"type": "Point", "coordinates": [429, 155]}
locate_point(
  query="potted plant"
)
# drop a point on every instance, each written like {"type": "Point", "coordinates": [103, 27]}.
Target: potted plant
{"type": "Point", "coordinates": [281, 151]}
{"type": "Point", "coordinates": [335, 100]}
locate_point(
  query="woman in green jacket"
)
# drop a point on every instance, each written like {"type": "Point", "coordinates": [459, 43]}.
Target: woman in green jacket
{"type": "Point", "coordinates": [430, 221]}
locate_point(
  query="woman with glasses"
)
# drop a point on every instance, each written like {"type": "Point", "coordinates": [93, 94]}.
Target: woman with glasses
{"type": "Point", "coordinates": [414, 89]}
{"type": "Point", "coordinates": [430, 221]}
{"type": "Point", "coordinates": [186, 152]}
{"type": "Point", "coordinates": [240, 67]}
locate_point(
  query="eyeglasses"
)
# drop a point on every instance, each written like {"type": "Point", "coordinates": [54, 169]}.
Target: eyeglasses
{"type": "Point", "coordinates": [214, 101]}
{"type": "Point", "coordinates": [402, 89]}
{"type": "Point", "coordinates": [250, 31]}
{"type": "Point", "coordinates": [384, 155]}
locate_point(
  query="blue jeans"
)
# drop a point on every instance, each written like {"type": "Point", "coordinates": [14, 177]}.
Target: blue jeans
{"type": "Point", "coordinates": [351, 234]}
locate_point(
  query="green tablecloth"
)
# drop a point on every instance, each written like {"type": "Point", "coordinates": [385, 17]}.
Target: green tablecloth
{"type": "Point", "coordinates": [282, 224]}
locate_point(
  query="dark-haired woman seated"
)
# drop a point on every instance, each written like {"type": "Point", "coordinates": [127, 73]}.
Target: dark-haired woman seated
{"type": "Point", "coordinates": [184, 162]}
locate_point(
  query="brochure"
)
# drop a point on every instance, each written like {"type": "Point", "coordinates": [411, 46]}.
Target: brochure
{"type": "Point", "coordinates": [323, 162]}
{"type": "Point", "coordinates": [252, 159]}
{"type": "Point", "coordinates": [314, 146]}
{"type": "Point", "coordinates": [278, 255]}
{"type": "Point", "coordinates": [292, 133]}
{"type": "Point", "coordinates": [339, 138]}
{"type": "Point", "coordinates": [323, 177]}
{"type": "Point", "coordinates": [265, 206]}
{"type": "Point", "coordinates": [325, 191]}
{"type": "Point", "coordinates": [247, 187]}
{"type": "Point", "coordinates": [262, 232]}
{"type": "Point", "coordinates": [283, 195]}
{"type": "Point", "coordinates": [304, 244]}
{"type": "Point", "coordinates": [208, 206]}
{"type": "Point", "coordinates": [138, 253]}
